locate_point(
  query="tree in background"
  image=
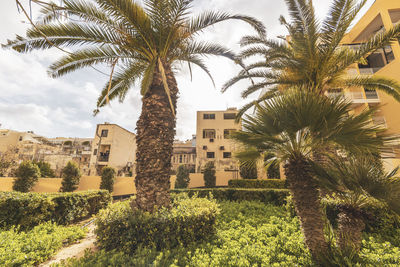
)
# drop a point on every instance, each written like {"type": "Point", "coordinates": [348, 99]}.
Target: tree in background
{"type": "Point", "coordinates": [107, 178]}
{"type": "Point", "coordinates": [70, 177]}
{"type": "Point", "coordinates": [248, 171]}
{"type": "Point", "coordinates": [27, 174]}
{"type": "Point", "coordinates": [45, 169]}
{"type": "Point", "coordinates": [210, 180]}
{"type": "Point", "coordinates": [182, 177]}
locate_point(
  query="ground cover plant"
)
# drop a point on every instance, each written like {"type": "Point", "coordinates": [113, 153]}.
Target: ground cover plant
{"type": "Point", "coordinates": [28, 248]}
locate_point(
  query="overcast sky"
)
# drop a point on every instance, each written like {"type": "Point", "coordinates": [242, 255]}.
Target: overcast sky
{"type": "Point", "coordinates": [31, 100]}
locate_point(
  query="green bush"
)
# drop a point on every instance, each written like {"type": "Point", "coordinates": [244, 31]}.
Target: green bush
{"type": "Point", "coordinates": [265, 183]}
{"type": "Point", "coordinates": [18, 248]}
{"type": "Point", "coordinates": [272, 196]}
{"type": "Point", "coordinates": [107, 179]}
{"type": "Point", "coordinates": [45, 169]}
{"type": "Point", "coordinates": [248, 171]}
{"type": "Point", "coordinates": [30, 209]}
{"type": "Point", "coordinates": [71, 176]}
{"type": "Point", "coordinates": [182, 177]}
{"type": "Point", "coordinates": [210, 179]}
{"type": "Point", "coordinates": [27, 174]}
{"type": "Point", "coordinates": [188, 220]}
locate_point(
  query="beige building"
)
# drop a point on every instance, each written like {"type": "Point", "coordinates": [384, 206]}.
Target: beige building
{"type": "Point", "coordinates": [113, 146]}
{"type": "Point", "coordinates": [213, 143]}
{"type": "Point", "coordinates": [184, 153]}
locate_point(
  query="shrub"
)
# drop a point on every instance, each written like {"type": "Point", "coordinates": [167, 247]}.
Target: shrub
{"type": "Point", "coordinates": [71, 176]}
{"type": "Point", "coordinates": [188, 220]}
{"type": "Point", "coordinates": [210, 179]}
{"type": "Point", "coordinates": [18, 248]}
{"type": "Point", "coordinates": [45, 169]}
{"type": "Point", "coordinates": [248, 171]}
{"type": "Point", "coordinates": [182, 177]}
{"type": "Point", "coordinates": [107, 179]}
{"type": "Point", "coordinates": [27, 175]}
{"type": "Point", "coordinates": [269, 183]}
{"type": "Point", "coordinates": [30, 209]}
{"type": "Point", "coordinates": [271, 196]}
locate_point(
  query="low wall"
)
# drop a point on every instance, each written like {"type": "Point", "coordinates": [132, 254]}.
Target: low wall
{"type": "Point", "coordinates": [122, 185]}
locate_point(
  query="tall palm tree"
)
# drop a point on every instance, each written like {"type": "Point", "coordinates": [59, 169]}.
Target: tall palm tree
{"type": "Point", "coordinates": [312, 57]}
{"type": "Point", "coordinates": [288, 127]}
{"type": "Point", "coordinates": [143, 44]}
{"type": "Point", "coordinates": [357, 181]}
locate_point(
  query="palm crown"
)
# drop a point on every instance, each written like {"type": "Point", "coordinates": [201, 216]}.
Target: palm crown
{"type": "Point", "coordinates": [312, 56]}
{"type": "Point", "coordinates": [135, 40]}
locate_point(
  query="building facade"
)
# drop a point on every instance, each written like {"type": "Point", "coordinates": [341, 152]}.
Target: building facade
{"type": "Point", "coordinates": [184, 153]}
{"type": "Point", "coordinates": [212, 139]}
{"type": "Point", "coordinates": [115, 147]}
{"type": "Point", "coordinates": [382, 15]}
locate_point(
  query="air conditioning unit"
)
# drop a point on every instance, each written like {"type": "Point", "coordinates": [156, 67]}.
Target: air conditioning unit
{"type": "Point", "coordinates": [211, 140]}
{"type": "Point", "coordinates": [204, 147]}
{"type": "Point", "coordinates": [221, 148]}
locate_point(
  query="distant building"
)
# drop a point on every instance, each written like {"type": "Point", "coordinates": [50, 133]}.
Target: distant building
{"type": "Point", "coordinates": [213, 142]}
{"type": "Point", "coordinates": [184, 153]}
{"type": "Point", "coordinates": [113, 146]}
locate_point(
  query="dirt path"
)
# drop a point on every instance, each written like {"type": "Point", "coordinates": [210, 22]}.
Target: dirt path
{"type": "Point", "coordinates": [75, 250]}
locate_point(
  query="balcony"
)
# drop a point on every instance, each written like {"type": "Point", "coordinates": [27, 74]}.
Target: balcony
{"type": "Point", "coordinates": [357, 98]}
{"type": "Point", "coordinates": [103, 157]}
{"type": "Point", "coordinates": [379, 121]}
{"type": "Point", "coordinates": [377, 61]}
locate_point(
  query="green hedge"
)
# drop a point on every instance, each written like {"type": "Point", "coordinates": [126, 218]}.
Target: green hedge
{"type": "Point", "coordinates": [188, 220]}
{"type": "Point", "coordinates": [272, 196]}
{"type": "Point", "coordinates": [30, 209]}
{"type": "Point", "coordinates": [253, 183]}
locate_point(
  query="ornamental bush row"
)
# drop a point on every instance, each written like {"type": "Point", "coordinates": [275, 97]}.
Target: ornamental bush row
{"type": "Point", "coordinates": [189, 220]}
{"type": "Point", "coordinates": [30, 209]}
{"type": "Point", "coordinates": [254, 183]}
{"type": "Point", "coordinates": [272, 196]}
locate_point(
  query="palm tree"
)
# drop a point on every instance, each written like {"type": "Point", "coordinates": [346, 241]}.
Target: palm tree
{"type": "Point", "coordinates": [142, 44]}
{"type": "Point", "coordinates": [357, 181]}
{"type": "Point", "coordinates": [312, 57]}
{"type": "Point", "coordinates": [288, 127]}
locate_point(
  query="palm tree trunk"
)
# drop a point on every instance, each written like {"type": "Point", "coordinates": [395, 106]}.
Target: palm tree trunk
{"type": "Point", "coordinates": [307, 204]}
{"type": "Point", "coordinates": [350, 227]}
{"type": "Point", "coordinates": [155, 136]}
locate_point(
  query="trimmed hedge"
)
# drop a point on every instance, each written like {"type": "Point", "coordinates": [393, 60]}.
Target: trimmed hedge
{"type": "Point", "coordinates": [253, 183]}
{"type": "Point", "coordinates": [272, 196]}
{"type": "Point", "coordinates": [30, 209]}
{"type": "Point", "coordinates": [187, 221]}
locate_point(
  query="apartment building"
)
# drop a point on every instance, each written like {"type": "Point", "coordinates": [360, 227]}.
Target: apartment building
{"type": "Point", "coordinates": [113, 146]}
{"type": "Point", "coordinates": [213, 143]}
{"type": "Point", "coordinates": [382, 15]}
{"type": "Point", "coordinates": [184, 153]}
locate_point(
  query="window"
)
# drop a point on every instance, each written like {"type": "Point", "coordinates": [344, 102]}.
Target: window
{"type": "Point", "coordinates": [95, 152]}
{"type": "Point", "coordinates": [227, 155]}
{"type": "Point", "coordinates": [229, 116]}
{"type": "Point", "coordinates": [210, 155]}
{"type": "Point", "coordinates": [208, 133]}
{"type": "Point", "coordinates": [228, 132]}
{"type": "Point", "coordinates": [20, 138]}
{"type": "Point", "coordinates": [104, 133]}
{"type": "Point", "coordinates": [180, 158]}
{"type": "Point", "coordinates": [209, 116]}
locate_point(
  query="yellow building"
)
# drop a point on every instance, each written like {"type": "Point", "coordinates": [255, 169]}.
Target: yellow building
{"type": "Point", "coordinates": [184, 153]}
{"type": "Point", "coordinates": [113, 146]}
{"type": "Point", "coordinates": [382, 15]}
{"type": "Point", "coordinates": [212, 139]}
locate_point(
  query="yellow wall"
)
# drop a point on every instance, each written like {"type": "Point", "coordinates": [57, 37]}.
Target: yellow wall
{"type": "Point", "coordinates": [122, 186]}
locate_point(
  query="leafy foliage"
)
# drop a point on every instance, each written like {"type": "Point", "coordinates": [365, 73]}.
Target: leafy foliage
{"type": "Point", "coordinates": [210, 179]}
{"type": "Point", "coordinates": [182, 177]}
{"type": "Point", "coordinates": [30, 209]}
{"type": "Point", "coordinates": [45, 169]}
{"type": "Point", "coordinates": [269, 183]}
{"type": "Point", "coordinates": [27, 174]}
{"type": "Point", "coordinates": [188, 220]}
{"type": "Point", "coordinates": [107, 178]}
{"type": "Point", "coordinates": [19, 248]}
{"type": "Point", "coordinates": [70, 177]}
{"type": "Point", "coordinates": [247, 171]}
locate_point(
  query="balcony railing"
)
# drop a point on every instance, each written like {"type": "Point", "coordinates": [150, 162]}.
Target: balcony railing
{"type": "Point", "coordinates": [104, 158]}
{"type": "Point", "coordinates": [372, 94]}
{"type": "Point", "coordinates": [357, 98]}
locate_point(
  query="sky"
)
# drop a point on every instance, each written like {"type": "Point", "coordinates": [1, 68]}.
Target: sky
{"type": "Point", "coordinates": [32, 101]}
